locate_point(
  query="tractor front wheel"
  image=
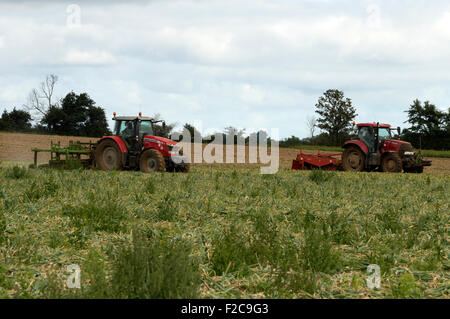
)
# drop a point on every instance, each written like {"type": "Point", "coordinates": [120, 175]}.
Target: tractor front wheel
{"type": "Point", "coordinates": [152, 161]}
{"type": "Point", "coordinates": [353, 159]}
{"type": "Point", "coordinates": [391, 163]}
{"type": "Point", "coordinates": [183, 169]}
{"type": "Point", "coordinates": [108, 156]}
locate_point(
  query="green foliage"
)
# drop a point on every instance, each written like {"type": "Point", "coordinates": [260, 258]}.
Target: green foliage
{"type": "Point", "coordinates": [167, 209]}
{"type": "Point", "coordinates": [36, 190]}
{"type": "Point", "coordinates": [150, 186]}
{"type": "Point", "coordinates": [406, 287]}
{"type": "Point", "coordinates": [3, 225]}
{"type": "Point", "coordinates": [319, 176]}
{"type": "Point", "coordinates": [429, 126]}
{"type": "Point", "coordinates": [15, 120]}
{"type": "Point", "coordinates": [16, 172]}
{"type": "Point", "coordinates": [77, 116]}
{"type": "Point", "coordinates": [155, 268]}
{"type": "Point", "coordinates": [246, 235]}
{"type": "Point", "coordinates": [231, 252]}
{"type": "Point", "coordinates": [96, 215]}
{"type": "Point", "coordinates": [317, 251]}
{"type": "Point", "coordinates": [74, 164]}
{"type": "Point", "coordinates": [335, 113]}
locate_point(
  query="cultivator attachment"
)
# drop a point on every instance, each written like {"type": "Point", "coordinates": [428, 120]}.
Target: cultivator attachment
{"type": "Point", "coordinates": [76, 155]}
{"type": "Point", "coordinates": [329, 162]}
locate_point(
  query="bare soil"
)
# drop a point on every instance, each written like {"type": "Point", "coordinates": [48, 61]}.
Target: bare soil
{"type": "Point", "coordinates": [17, 147]}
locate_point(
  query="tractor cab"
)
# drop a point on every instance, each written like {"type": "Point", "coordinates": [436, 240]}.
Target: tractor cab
{"type": "Point", "coordinates": [373, 135]}
{"type": "Point", "coordinates": [132, 129]}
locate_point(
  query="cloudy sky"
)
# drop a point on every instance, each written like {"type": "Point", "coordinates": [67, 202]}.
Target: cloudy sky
{"type": "Point", "coordinates": [245, 63]}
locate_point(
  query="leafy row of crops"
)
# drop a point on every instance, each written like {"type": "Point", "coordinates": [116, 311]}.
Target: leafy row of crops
{"type": "Point", "coordinates": [223, 234]}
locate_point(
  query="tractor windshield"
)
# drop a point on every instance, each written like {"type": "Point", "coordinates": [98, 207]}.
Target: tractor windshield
{"type": "Point", "coordinates": [146, 128]}
{"type": "Point", "coordinates": [384, 133]}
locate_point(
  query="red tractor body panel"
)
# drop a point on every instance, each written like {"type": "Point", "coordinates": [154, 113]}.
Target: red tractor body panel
{"type": "Point", "coordinates": [357, 143]}
{"type": "Point", "coordinates": [119, 142]}
{"type": "Point", "coordinates": [374, 125]}
{"type": "Point", "coordinates": [158, 143]}
{"type": "Point", "coordinates": [391, 146]}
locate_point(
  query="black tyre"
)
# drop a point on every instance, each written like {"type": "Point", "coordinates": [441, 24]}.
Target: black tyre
{"type": "Point", "coordinates": [108, 156]}
{"type": "Point", "coordinates": [183, 169]}
{"type": "Point", "coordinates": [391, 163]}
{"type": "Point", "coordinates": [353, 159]}
{"type": "Point", "coordinates": [152, 161]}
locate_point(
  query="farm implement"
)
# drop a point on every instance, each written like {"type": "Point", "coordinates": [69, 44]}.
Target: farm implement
{"type": "Point", "coordinates": [374, 148]}
{"type": "Point", "coordinates": [76, 154]}
{"type": "Point", "coordinates": [132, 146]}
{"type": "Point", "coordinates": [328, 162]}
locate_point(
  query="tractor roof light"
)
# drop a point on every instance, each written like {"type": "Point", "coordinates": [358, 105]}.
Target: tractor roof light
{"type": "Point", "coordinates": [140, 114]}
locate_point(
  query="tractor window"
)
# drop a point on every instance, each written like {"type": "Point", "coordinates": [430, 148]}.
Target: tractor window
{"type": "Point", "coordinates": [117, 127]}
{"type": "Point", "coordinates": [126, 129]}
{"type": "Point", "coordinates": [365, 134]}
{"type": "Point", "coordinates": [145, 128]}
{"type": "Point", "coordinates": [384, 133]}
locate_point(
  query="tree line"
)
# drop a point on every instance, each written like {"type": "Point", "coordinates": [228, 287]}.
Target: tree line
{"type": "Point", "coordinates": [78, 115]}
{"type": "Point", "coordinates": [429, 126]}
{"type": "Point", "coordinates": [75, 114]}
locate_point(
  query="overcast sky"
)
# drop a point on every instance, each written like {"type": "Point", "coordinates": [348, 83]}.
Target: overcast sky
{"type": "Point", "coordinates": [245, 63]}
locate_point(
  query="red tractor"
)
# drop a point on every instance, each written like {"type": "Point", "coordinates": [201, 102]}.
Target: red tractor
{"type": "Point", "coordinates": [134, 146]}
{"type": "Point", "coordinates": [376, 148]}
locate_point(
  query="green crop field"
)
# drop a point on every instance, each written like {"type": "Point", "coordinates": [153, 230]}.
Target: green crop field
{"type": "Point", "coordinates": [229, 233]}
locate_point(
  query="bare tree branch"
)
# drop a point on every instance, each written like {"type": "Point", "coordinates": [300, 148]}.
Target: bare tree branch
{"type": "Point", "coordinates": [47, 88]}
{"type": "Point", "coordinates": [34, 103]}
{"type": "Point", "coordinates": [311, 123]}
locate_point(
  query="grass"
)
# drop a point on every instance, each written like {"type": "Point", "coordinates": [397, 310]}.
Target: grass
{"type": "Point", "coordinates": [228, 233]}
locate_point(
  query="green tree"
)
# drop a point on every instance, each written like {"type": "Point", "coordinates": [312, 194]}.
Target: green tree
{"type": "Point", "coordinates": [425, 118]}
{"type": "Point", "coordinates": [195, 134]}
{"type": "Point", "coordinates": [160, 129]}
{"type": "Point", "coordinates": [77, 116]}
{"type": "Point", "coordinates": [15, 120]}
{"type": "Point", "coordinates": [96, 124]}
{"type": "Point", "coordinates": [336, 114]}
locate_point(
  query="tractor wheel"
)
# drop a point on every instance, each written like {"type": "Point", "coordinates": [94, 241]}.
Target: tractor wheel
{"type": "Point", "coordinates": [419, 170]}
{"type": "Point", "coordinates": [391, 163]}
{"type": "Point", "coordinates": [353, 159]}
{"type": "Point", "coordinates": [108, 156]}
{"type": "Point", "coordinates": [183, 169]}
{"type": "Point", "coordinates": [152, 161]}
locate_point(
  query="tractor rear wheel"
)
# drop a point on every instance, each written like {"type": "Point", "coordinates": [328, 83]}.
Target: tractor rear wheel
{"type": "Point", "coordinates": [353, 159]}
{"type": "Point", "coordinates": [391, 163]}
{"type": "Point", "coordinates": [152, 161]}
{"type": "Point", "coordinates": [108, 156]}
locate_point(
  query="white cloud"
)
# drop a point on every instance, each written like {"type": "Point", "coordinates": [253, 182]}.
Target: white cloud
{"type": "Point", "coordinates": [77, 57]}
{"type": "Point", "coordinates": [232, 62]}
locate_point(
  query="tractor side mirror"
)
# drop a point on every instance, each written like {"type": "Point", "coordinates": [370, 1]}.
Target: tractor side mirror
{"type": "Point", "coordinates": [164, 125]}
{"type": "Point", "coordinates": [399, 130]}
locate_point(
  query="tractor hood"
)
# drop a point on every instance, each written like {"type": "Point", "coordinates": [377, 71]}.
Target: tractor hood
{"type": "Point", "coordinates": [160, 139]}
{"type": "Point", "coordinates": [395, 142]}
